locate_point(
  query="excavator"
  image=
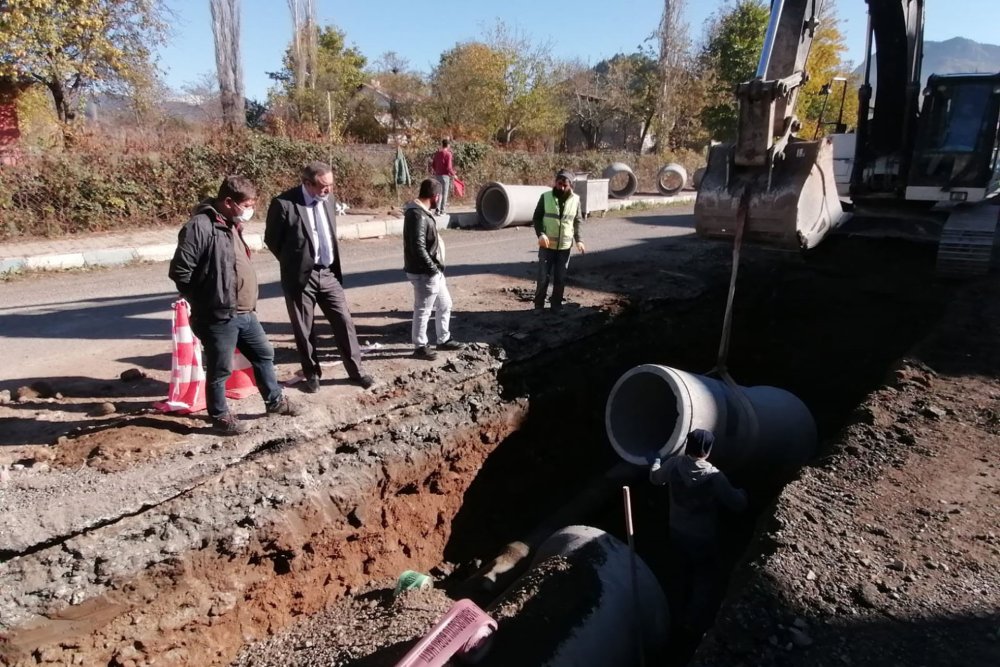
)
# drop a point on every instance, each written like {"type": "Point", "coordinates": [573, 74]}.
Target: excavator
{"type": "Point", "coordinates": [920, 164]}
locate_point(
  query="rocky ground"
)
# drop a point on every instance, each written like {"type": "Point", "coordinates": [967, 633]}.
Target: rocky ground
{"type": "Point", "coordinates": [184, 548]}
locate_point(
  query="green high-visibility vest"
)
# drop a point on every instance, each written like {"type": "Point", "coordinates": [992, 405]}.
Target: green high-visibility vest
{"type": "Point", "coordinates": [559, 228]}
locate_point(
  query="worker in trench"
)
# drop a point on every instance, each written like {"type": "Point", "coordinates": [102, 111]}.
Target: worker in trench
{"type": "Point", "coordinates": [698, 492]}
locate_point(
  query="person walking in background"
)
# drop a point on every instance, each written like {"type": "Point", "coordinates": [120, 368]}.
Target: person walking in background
{"type": "Point", "coordinates": [443, 168]}
{"type": "Point", "coordinates": [212, 270]}
{"type": "Point", "coordinates": [301, 232]}
{"type": "Point", "coordinates": [557, 222]}
{"type": "Point", "coordinates": [698, 491]}
{"type": "Point", "coordinates": [423, 261]}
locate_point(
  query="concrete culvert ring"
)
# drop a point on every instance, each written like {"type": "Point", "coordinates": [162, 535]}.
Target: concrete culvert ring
{"type": "Point", "coordinates": [642, 413]}
{"type": "Point", "coordinates": [622, 182]}
{"type": "Point", "coordinates": [671, 179]}
{"type": "Point", "coordinates": [699, 174]}
{"type": "Point", "coordinates": [494, 208]}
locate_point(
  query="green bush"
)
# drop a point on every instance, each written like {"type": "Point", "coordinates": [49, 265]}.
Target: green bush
{"type": "Point", "coordinates": [97, 187]}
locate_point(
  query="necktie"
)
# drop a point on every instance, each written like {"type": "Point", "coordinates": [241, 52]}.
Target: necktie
{"type": "Point", "coordinates": [323, 235]}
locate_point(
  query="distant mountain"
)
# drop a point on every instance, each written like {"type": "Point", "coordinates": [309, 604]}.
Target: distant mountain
{"type": "Point", "coordinates": [957, 55]}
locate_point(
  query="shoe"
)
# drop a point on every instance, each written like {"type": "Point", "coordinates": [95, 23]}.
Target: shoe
{"type": "Point", "coordinates": [557, 308]}
{"type": "Point", "coordinates": [450, 344]}
{"type": "Point", "coordinates": [284, 407]}
{"type": "Point", "coordinates": [310, 385]}
{"type": "Point", "coordinates": [365, 381]}
{"type": "Point", "coordinates": [227, 424]}
{"type": "Point", "coordinates": [425, 353]}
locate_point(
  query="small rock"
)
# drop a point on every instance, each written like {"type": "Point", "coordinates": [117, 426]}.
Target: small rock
{"type": "Point", "coordinates": [897, 565]}
{"type": "Point", "coordinates": [800, 638]}
{"type": "Point", "coordinates": [909, 578]}
{"type": "Point", "coordinates": [22, 394]}
{"type": "Point", "coordinates": [5, 397]}
{"type": "Point", "coordinates": [867, 595]}
{"type": "Point", "coordinates": [934, 412]}
{"type": "Point", "coordinates": [800, 623]}
{"type": "Point", "coordinates": [132, 375]}
{"type": "Point", "coordinates": [811, 576]}
{"type": "Point", "coordinates": [103, 410]}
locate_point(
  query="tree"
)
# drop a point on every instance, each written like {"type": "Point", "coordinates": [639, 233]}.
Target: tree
{"type": "Point", "coordinates": [588, 102]}
{"type": "Point", "coordinates": [468, 91]}
{"type": "Point", "coordinates": [674, 44]}
{"type": "Point", "coordinates": [730, 57]}
{"type": "Point", "coordinates": [305, 45]}
{"type": "Point", "coordinates": [403, 88]}
{"type": "Point", "coordinates": [530, 103]}
{"type": "Point", "coordinates": [824, 64]}
{"type": "Point", "coordinates": [318, 96]}
{"type": "Point", "coordinates": [228, 62]}
{"type": "Point", "coordinates": [72, 45]}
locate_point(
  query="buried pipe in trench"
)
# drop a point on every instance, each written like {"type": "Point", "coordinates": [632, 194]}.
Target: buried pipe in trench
{"type": "Point", "coordinates": [500, 205]}
{"type": "Point", "coordinates": [577, 606]}
{"type": "Point", "coordinates": [652, 408]}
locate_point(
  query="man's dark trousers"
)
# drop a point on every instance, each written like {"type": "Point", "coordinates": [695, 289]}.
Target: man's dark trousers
{"type": "Point", "coordinates": [220, 339]}
{"type": "Point", "coordinates": [553, 263]}
{"type": "Point", "coordinates": [323, 290]}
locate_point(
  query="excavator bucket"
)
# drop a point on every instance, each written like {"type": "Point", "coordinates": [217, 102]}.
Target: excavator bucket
{"type": "Point", "coordinates": [792, 205]}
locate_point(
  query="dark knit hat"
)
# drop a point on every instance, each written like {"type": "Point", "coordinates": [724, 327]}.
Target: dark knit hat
{"type": "Point", "coordinates": [699, 443]}
{"type": "Point", "coordinates": [565, 173]}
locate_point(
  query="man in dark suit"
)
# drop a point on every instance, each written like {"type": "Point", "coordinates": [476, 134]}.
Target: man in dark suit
{"type": "Point", "coordinates": [301, 232]}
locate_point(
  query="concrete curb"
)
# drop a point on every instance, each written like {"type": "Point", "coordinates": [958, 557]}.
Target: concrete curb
{"type": "Point", "coordinates": [370, 229]}
{"type": "Point", "coordinates": [161, 252]}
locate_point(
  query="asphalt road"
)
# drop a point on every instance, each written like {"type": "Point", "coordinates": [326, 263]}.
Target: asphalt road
{"type": "Point", "coordinates": [95, 324]}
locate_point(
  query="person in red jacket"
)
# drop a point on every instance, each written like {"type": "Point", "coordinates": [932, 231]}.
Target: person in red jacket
{"type": "Point", "coordinates": [443, 168]}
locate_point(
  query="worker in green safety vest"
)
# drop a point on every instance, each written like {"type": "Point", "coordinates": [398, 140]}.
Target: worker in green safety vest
{"type": "Point", "coordinates": [557, 222]}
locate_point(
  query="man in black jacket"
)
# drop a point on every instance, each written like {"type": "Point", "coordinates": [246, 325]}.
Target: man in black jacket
{"type": "Point", "coordinates": [301, 232]}
{"type": "Point", "coordinates": [212, 270]}
{"type": "Point", "coordinates": [423, 261]}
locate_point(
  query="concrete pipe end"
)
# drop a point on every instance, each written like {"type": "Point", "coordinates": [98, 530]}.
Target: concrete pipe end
{"type": "Point", "coordinates": [671, 179]}
{"type": "Point", "coordinates": [493, 206]}
{"type": "Point", "coordinates": [622, 182]}
{"type": "Point", "coordinates": [646, 416]}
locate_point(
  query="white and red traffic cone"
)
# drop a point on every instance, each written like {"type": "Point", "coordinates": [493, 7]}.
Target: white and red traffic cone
{"type": "Point", "coordinates": [187, 377]}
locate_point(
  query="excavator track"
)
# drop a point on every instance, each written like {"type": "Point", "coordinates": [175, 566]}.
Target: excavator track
{"type": "Point", "coordinates": [967, 243]}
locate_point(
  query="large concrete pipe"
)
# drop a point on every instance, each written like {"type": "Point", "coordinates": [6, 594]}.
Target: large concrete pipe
{"type": "Point", "coordinates": [671, 179]}
{"type": "Point", "coordinates": [575, 607]}
{"type": "Point", "coordinates": [615, 173]}
{"type": "Point", "coordinates": [652, 408]}
{"type": "Point", "coordinates": [500, 205]}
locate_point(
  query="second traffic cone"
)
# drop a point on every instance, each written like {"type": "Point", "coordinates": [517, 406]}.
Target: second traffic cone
{"type": "Point", "coordinates": [241, 383]}
{"type": "Point", "coordinates": [187, 377]}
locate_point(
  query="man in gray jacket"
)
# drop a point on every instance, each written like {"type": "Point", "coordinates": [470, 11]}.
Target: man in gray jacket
{"type": "Point", "coordinates": [698, 491]}
{"type": "Point", "coordinates": [212, 270]}
{"type": "Point", "coordinates": [423, 261]}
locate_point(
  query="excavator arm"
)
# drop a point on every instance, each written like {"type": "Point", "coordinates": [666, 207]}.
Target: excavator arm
{"type": "Point", "coordinates": [770, 187]}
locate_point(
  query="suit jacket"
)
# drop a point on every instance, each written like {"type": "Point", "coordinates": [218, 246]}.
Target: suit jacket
{"type": "Point", "coordinates": [287, 235]}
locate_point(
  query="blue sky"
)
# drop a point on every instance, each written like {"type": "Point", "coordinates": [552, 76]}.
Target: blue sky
{"type": "Point", "coordinates": [590, 30]}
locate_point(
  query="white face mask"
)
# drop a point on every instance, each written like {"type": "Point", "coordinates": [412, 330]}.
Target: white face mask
{"type": "Point", "coordinates": [246, 215]}
{"type": "Point", "coordinates": [322, 197]}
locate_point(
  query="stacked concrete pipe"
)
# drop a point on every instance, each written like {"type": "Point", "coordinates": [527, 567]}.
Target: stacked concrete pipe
{"type": "Point", "coordinates": [631, 182]}
{"type": "Point", "coordinates": [576, 606]}
{"type": "Point", "coordinates": [652, 408]}
{"type": "Point", "coordinates": [671, 179]}
{"type": "Point", "coordinates": [501, 205]}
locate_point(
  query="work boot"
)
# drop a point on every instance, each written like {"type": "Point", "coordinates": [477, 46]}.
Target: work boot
{"type": "Point", "coordinates": [283, 407]}
{"type": "Point", "coordinates": [228, 424]}
{"type": "Point", "coordinates": [425, 353]}
{"type": "Point", "coordinates": [449, 345]}
{"type": "Point", "coordinates": [364, 381]}
{"type": "Point", "coordinates": [310, 385]}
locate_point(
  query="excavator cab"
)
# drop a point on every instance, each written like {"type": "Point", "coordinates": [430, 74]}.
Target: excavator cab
{"type": "Point", "coordinates": [956, 155]}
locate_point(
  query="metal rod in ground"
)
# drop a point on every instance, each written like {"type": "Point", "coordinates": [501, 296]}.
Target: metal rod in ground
{"type": "Point", "coordinates": [635, 583]}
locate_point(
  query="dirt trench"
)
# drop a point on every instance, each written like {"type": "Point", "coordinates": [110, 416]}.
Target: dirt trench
{"type": "Point", "coordinates": [441, 483]}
